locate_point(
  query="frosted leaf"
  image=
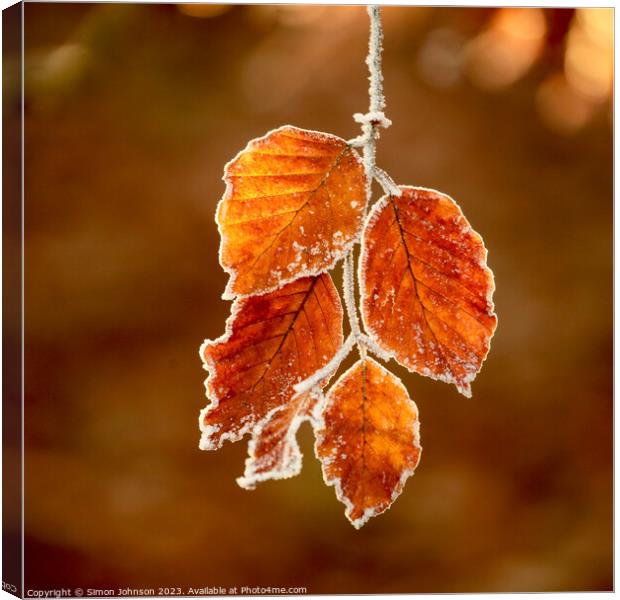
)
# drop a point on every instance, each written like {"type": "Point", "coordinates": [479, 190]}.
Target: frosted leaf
{"type": "Point", "coordinates": [273, 450]}
{"type": "Point", "coordinates": [426, 289]}
{"type": "Point", "coordinates": [368, 440]}
{"type": "Point", "coordinates": [271, 343]}
{"type": "Point", "coordinates": [293, 206]}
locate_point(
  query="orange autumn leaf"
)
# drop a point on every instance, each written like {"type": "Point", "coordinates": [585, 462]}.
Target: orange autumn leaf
{"type": "Point", "coordinates": [271, 343]}
{"type": "Point", "coordinates": [293, 205]}
{"type": "Point", "coordinates": [273, 451]}
{"type": "Point", "coordinates": [369, 441]}
{"type": "Point", "coordinates": [426, 289]}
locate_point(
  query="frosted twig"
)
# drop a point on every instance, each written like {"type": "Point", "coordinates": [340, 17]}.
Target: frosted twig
{"type": "Point", "coordinates": [386, 182]}
{"type": "Point", "coordinates": [348, 285]}
{"type": "Point", "coordinates": [375, 348]}
{"type": "Point", "coordinates": [373, 60]}
{"type": "Point", "coordinates": [374, 119]}
{"type": "Point", "coordinates": [357, 142]}
{"type": "Point", "coordinates": [371, 122]}
{"type": "Point", "coordinates": [377, 119]}
{"type": "Point", "coordinates": [315, 380]}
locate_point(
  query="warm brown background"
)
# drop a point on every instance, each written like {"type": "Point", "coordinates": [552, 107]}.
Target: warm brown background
{"type": "Point", "coordinates": [131, 113]}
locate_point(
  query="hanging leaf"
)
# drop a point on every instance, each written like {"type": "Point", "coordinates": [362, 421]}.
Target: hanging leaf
{"type": "Point", "coordinates": [293, 206]}
{"type": "Point", "coordinates": [271, 343]}
{"type": "Point", "coordinates": [369, 441]}
{"type": "Point", "coordinates": [427, 293]}
{"type": "Point", "coordinates": [273, 450]}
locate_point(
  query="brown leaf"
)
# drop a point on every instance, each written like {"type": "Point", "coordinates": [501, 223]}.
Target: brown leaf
{"type": "Point", "coordinates": [427, 293]}
{"type": "Point", "coordinates": [369, 442]}
{"type": "Point", "coordinates": [293, 206]}
{"type": "Point", "coordinates": [271, 343]}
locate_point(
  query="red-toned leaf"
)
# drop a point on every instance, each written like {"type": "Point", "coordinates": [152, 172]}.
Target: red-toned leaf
{"type": "Point", "coordinates": [293, 206]}
{"type": "Point", "coordinates": [271, 343]}
{"type": "Point", "coordinates": [426, 289]}
{"type": "Point", "coordinates": [369, 442]}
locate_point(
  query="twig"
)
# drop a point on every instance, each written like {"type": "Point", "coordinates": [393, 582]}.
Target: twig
{"type": "Point", "coordinates": [371, 123]}
{"type": "Point", "coordinates": [373, 347]}
{"type": "Point", "coordinates": [374, 119]}
{"type": "Point", "coordinates": [373, 60]}
{"type": "Point", "coordinates": [386, 182]}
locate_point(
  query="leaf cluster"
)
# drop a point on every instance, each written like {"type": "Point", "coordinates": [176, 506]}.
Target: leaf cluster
{"type": "Point", "coordinates": [296, 203]}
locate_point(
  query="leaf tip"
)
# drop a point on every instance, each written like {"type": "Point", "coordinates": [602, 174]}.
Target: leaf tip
{"type": "Point", "coordinates": [361, 521]}
{"type": "Point", "coordinates": [207, 432]}
{"type": "Point", "coordinates": [206, 441]}
{"type": "Point", "coordinates": [229, 293]}
{"type": "Point", "coordinates": [464, 389]}
{"type": "Point", "coordinates": [246, 483]}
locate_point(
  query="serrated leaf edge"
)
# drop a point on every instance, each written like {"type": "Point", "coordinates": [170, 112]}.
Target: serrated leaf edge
{"type": "Point", "coordinates": [361, 268]}
{"type": "Point", "coordinates": [319, 424]}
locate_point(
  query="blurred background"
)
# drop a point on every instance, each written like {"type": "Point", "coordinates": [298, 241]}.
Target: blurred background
{"type": "Point", "coordinates": [131, 113]}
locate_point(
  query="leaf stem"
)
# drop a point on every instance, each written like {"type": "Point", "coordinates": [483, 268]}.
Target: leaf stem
{"type": "Point", "coordinates": [387, 183]}
{"type": "Point", "coordinates": [349, 300]}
